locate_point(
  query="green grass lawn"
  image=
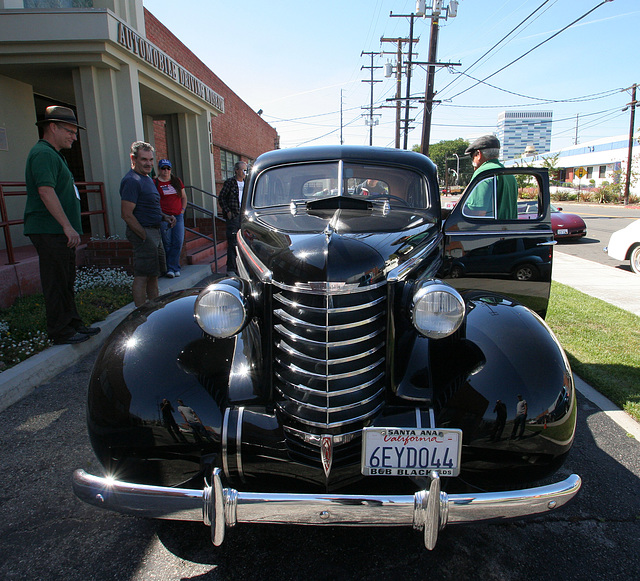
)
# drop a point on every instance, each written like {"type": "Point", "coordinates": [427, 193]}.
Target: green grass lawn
{"type": "Point", "coordinates": [602, 343]}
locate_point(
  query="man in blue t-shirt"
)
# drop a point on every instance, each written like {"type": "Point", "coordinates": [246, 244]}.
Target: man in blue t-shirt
{"type": "Point", "coordinates": [140, 208]}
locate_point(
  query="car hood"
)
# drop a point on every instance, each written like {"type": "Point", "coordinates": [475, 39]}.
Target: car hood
{"type": "Point", "coordinates": [562, 220]}
{"type": "Point", "coordinates": [334, 244]}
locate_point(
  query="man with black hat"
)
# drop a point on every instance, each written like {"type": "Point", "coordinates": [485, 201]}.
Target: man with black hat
{"type": "Point", "coordinates": [52, 221]}
{"type": "Point", "coordinates": [484, 153]}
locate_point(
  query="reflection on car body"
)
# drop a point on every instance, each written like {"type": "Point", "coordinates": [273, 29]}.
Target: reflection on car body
{"type": "Point", "coordinates": [340, 379]}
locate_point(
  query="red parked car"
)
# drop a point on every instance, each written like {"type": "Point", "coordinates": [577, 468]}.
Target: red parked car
{"type": "Point", "coordinates": [567, 226]}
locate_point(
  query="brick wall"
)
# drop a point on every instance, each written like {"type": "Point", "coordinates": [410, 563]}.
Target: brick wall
{"type": "Point", "coordinates": [109, 254]}
{"type": "Point", "coordinates": [160, 138]}
{"type": "Point", "coordinates": [239, 129]}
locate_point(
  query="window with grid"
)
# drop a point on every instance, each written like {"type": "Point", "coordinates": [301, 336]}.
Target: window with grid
{"type": "Point", "coordinates": [227, 161]}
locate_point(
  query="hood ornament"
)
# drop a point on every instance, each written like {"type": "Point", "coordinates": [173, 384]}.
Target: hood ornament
{"type": "Point", "coordinates": [326, 453]}
{"type": "Point", "coordinates": [328, 232]}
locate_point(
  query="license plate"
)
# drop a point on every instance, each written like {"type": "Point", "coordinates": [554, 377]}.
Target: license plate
{"type": "Point", "coordinates": [562, 231]}
{"type": "Point", "coordinates": [410, 451]}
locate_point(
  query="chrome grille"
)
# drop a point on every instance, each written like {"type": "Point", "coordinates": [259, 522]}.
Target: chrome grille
{"type": "Point", "coordinates": [329, 364]}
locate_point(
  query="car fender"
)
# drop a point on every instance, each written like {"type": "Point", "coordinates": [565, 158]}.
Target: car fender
{"type": "Point", "coordinates": [158, 352]}
{"type": "Point", "coordinates": [521, 357]}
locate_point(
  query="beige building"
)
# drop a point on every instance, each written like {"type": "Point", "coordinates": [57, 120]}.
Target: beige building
{"type": "Point", "coordinates": [98, 59]}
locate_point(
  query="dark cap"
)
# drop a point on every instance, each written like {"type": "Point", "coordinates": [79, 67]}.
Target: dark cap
{"type": "Point", "coordinates": [164, 163]}
{"type": "Point", "coordinates": [484, 142]}
{"type": "Point", "coordinates": [59, 114]}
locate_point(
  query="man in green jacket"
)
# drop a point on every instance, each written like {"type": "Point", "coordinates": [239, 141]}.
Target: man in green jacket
{"type": "Point", "coordinates": [52, 221]}
{"type": "Point", "coordinates": [484, 153]}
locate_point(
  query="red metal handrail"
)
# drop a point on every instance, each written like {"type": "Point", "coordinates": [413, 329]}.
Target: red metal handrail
{"type": "Point", "coordinates": [20, 189]}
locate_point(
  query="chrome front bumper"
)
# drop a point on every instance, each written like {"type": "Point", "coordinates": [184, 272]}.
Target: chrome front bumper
{"type": "Point", "coordinates": [428, 510]}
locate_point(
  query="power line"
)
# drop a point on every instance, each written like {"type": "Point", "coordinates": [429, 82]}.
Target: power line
{"type": "Point", "coordinates": [591, 97]}
{"type": "Point", "coordinates": [498, 43]}
{"type": "Point", "coordinates": [532, 49]}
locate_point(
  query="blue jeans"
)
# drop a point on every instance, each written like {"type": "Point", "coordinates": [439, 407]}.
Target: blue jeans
{"type": "Point", "coordinates": [172, 239]}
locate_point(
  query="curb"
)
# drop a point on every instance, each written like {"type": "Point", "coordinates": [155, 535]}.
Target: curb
{"type": "Point", "coordinates": [22, 379]}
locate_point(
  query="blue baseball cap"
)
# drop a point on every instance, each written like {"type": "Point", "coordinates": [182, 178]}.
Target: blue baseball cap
{"type": "Point", "coordinates": [164, 163]}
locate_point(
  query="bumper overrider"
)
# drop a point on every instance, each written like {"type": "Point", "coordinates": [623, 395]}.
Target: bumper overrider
{"type": "Point", "coordinates": [429, 510]}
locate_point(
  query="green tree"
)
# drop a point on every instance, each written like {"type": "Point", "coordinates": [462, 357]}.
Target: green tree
{"type": "Point", "coordinates": [442, 154]}
{"type": "Point", "coordinates": [551, 163]}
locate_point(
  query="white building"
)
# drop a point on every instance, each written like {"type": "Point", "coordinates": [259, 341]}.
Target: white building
{"type": "Point", "coordinates": [603, 160]}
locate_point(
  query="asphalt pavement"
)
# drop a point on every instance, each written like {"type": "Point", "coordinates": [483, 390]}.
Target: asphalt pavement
{"type": "Point", "coordinates": [613, 285]}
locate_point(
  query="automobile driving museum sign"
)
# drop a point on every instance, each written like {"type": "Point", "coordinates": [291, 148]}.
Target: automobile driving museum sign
{"type": "Point", "coordinates": [142, 48]}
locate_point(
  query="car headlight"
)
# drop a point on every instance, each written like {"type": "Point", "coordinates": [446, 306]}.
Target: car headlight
{"type": "Point", "coordinates": [437, 310]}
{"type": "Point", "coordinates": [221, 309]}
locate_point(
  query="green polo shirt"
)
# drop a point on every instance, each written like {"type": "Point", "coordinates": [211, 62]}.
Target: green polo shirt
{"type": "Point", "coordinates": [506, 189]}
{"type": "Point", "coordinates": [47, 167]}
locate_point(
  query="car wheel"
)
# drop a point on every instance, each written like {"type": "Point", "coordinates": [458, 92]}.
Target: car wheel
{"type": "Point", "coordinates": [634, 259]}
{"type": "Point", "coordinates": [525, 272]}
{"type": "Point", "coordinates": [456, 272]}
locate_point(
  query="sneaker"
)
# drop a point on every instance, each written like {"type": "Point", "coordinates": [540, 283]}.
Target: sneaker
{"type": "Point", "coordinates": [88, 330]}
{"type": "Point", "coordinates": [170, 274]}
{"type": "Point", "coordinates": [176, 273]}
{"type": "Point", "coordinates": [72, 340]}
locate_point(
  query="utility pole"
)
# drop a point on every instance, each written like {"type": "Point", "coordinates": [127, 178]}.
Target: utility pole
{"type": "Point", "coordinates": [409, 64]}
{"type": "Point", "coordinates": [575, 141]}
{"type": "Point", "coordinates": [341, 100]}
{"type": "Point", "coordinates": [436, 13]}
{"type": "Point", "coordinates": [372, 81]}
{"type": "Point", "coordinates": [399, 66]}
{"type": "Point", "coordinates": [633, 105]}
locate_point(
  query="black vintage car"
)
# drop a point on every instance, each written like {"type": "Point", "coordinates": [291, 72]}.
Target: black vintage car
{"type": "Point", "coordinates": [343, 377]}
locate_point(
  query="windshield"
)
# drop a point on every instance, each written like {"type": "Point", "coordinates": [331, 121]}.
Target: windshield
{"type": "Point", "coordinates": [306, 182]}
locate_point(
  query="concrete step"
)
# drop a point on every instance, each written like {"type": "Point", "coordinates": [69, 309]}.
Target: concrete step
{"type": "Point", "coordinates": [206, 254]}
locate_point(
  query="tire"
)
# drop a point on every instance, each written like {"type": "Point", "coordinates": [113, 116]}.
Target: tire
{"type": "Point", "coordinates": [634, 259]}
{"type": "Point", "coordinates": [456, 272]}
{"type": "Point", "coordinates": [525, 272]}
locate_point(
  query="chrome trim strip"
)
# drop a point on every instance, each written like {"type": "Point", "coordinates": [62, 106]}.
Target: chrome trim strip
{"type": "Point", "coordinates": [333, 376]}
{"type": "Point", "coordinates": [327, 424]}
{"type": "Point", "coordinates": [239, 443]}
{"type": "Point", "coordinates": [328, 288]}
{"type": "Point", "coordinates": [264, 274]}
{"type": "Point", "coordinates": [499, 232]}
{"type": "Point", "coordinates": [320, 509]}
{"type": "Point", "coordinates": [289, 335]}
{"type": "Point", "coordinates": [283, 346]}
{"type": "Point", "coordinates": [225, 443]}
{"type": "Point", "coordinates": [418, 418]}
{"type": "Point", "coordinates": [400, 272]}
{"type": "Point", "coordinates": [325, 393]}
{"type": "Point", "coordinates": [331, 409]}
{"type": "Point", "coordinates": [287, 318]}
{"type": "Point", "coordinates": [432, 418]}
{"type": "Point", "coordinates": [285, 301]}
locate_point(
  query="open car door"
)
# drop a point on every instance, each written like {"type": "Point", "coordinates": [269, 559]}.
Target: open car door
{"type": "Point", "coordinates": [501, 241]}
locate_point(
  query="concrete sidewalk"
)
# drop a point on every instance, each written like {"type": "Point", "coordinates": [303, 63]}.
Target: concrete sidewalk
{"type": "Point", "coordinates": [613, 285]}
{"type": "Point", "coordinates": [20, 380]}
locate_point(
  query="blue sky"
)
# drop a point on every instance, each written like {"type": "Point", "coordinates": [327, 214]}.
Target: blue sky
{"type": "Point", "coordinates": [298, 60]}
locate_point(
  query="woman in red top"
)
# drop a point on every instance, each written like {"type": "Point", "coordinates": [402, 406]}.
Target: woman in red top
{"type": "Point", "coordinates": [173, 201]}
